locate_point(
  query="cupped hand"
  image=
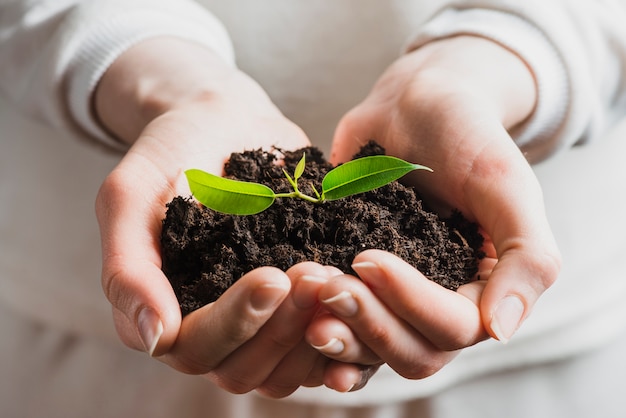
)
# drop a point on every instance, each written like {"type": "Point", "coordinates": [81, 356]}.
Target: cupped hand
{"type": "Point", "coordinates": [252, 337]}
{"type": "Point", "coordinates": [393, 314]}
{"type": "Point", "coordinates": [449, 105]}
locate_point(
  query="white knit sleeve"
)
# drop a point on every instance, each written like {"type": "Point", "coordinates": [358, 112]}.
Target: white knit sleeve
{"type": "Point", "coordinates": [575, 49]}
{"type": "Point", "coordinates": [53, 52]}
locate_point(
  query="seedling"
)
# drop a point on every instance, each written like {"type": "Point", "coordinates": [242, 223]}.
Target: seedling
{"type": "Point", "coordinates": [246, 198]}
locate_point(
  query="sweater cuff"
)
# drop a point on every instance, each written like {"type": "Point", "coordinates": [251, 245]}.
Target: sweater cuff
{"type": "Point", "coordinates": [536, 134]}
{"type": "Point", "coordinates": [106, 41]}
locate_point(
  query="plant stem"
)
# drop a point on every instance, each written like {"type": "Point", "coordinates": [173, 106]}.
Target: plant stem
{"type": "Point", "coordinates": [294, 183]}
{"type": "Point", "coordinates": [298, 193]}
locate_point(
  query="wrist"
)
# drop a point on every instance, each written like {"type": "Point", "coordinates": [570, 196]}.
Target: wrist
{"type": "Point", "coordinates": [483, 69]}
{"type": "Point", "coordinates": [160, 75]}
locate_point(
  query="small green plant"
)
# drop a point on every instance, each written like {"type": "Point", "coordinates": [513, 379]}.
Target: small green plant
{"type": "Point", "coordinates": [246, 198]}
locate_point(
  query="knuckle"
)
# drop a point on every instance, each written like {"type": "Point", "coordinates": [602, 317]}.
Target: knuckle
{"type": "Point", "coordinates": [240, 331]}
{"type": "Point", "coordinates": [284, 341]}
{"type": "Point", "coordinates": [188, 365]}
{"type": "Point", "coordinates": [546, 267]}
{"type": "Point", "coordinates": [277, 390]}
{"type": "Point", "coordinates": [550, 266]}
{"type": "Point", "coordinates": [233, 384]}
{"type": "Point", "coordinates": [378, 336]}
{"type": "Point", "coordinates": [113, 290]}
{"type": "Point", "coordinates": [110, 189]}
{"type": "Point", "coordinates": [420, 370]}
{"type": "Point", "coordinates": [455, 342]}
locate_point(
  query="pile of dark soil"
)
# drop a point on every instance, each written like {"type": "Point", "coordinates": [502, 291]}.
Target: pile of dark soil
{"type": "Point", "coordinates": [204, 252]}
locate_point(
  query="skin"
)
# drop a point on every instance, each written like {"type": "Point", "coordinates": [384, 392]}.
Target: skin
{"type": "Point", "coordinates": [448, 105]}
{"type": "Point", "coordinates": [172, 123]}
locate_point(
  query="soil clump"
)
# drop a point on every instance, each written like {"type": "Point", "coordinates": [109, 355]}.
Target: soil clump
{"type": "Point", "coordinates": [204, 252]}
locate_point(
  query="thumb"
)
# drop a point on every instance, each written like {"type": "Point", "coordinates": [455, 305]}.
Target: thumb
{"type": "Point", "coordinates": [521, 275]}
{"type": "Point", "coordinates": [528, 260]}
{"type": "Point", "coordinates": [146, 312]}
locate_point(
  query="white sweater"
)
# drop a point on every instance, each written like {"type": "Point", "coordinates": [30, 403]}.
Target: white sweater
{"type": "Point", "coordinates": [53, 52]}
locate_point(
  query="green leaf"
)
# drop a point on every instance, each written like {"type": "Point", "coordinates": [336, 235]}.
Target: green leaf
{"type": "Point", "coordinates": [365, 174]}
{"type": "Point", "coordinates": [300, 167]}
{"type": "Point", "coordinates": [229, 196]}
{"type": "Point", "coordinates": [289, 179]}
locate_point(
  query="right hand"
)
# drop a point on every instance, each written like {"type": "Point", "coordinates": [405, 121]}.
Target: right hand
{"type": "Point", "coordinates": [252, 337]}
{"type": "Point", "coordinates": [450, 106]}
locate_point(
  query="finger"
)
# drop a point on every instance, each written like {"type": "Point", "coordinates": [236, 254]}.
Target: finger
{"type": "Point", "coordinates": [316, 375]}
{"type": "Point", "coordinates": [528, 258]}
{"type": "Point", "coordinates": [147, 316]}
{"type": "Point", "coordinates": [254, 362]}
{"type": "Point", "coordinates": [210, 334]}
{"type": "Point", "coordinates": [348, 377]}
{"type": "Point", "coordinates": [291, 373]}
{"type": "Point", "coordinates": [517, 281]}
{"type": "Point", "coordinates": [447, 319]}
{"type": "Point", "coordinates": [334, 339]}
{"type": "Point", "coordinates": [393, 339]}
{"type": "Point", "coordinates": [528, 263]}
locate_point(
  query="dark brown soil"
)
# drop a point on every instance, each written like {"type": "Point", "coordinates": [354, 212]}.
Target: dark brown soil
{"type": "Point", "coordinates": [205, 252]}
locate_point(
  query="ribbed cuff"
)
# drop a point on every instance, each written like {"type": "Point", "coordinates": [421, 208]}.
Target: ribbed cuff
{"type": "Point", "coordinates": [531, 45]}
{"type": "Point", "coordinates": [107, 40]}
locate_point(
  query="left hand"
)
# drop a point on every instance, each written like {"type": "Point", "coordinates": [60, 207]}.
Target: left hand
{"type": "Point", "coordinates": [448, 105]}
{"type": "Point", "coordinates": [180, 106]}
{"type": "Point", "coordinates": [394, 314]}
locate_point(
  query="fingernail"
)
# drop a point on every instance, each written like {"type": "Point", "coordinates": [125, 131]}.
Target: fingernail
{"type": "Point", "coordinates": [150, 329]}
{"type": "Point", "coordinates": [267, 296]}
{"type": "Point", "coordinates": [306, 291]}
{"type": "Point", "coordinates": [332, 347]}
{"type": "Point", "coordinates": [342, 304]}
{"type": "Point", "coordinates": [370, 273]}
{"type": "Point", "coordinates": [349, 389]}
{"type": "Point", "coordinates": [366, 374]}
{"type": "Point", "coordinates": [507, 317]}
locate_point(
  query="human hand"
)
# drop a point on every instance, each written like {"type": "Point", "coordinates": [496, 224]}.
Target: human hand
{"type": "Point", "coordinates": [195, 119]}
{"type": "Point", "coordinates": [252, 337]}
{"type": "Point", "coordinates": [449, 105]}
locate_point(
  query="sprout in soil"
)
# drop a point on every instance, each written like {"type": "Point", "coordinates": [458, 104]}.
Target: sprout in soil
{"type": "Point", "coordinates": [246, 198]}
